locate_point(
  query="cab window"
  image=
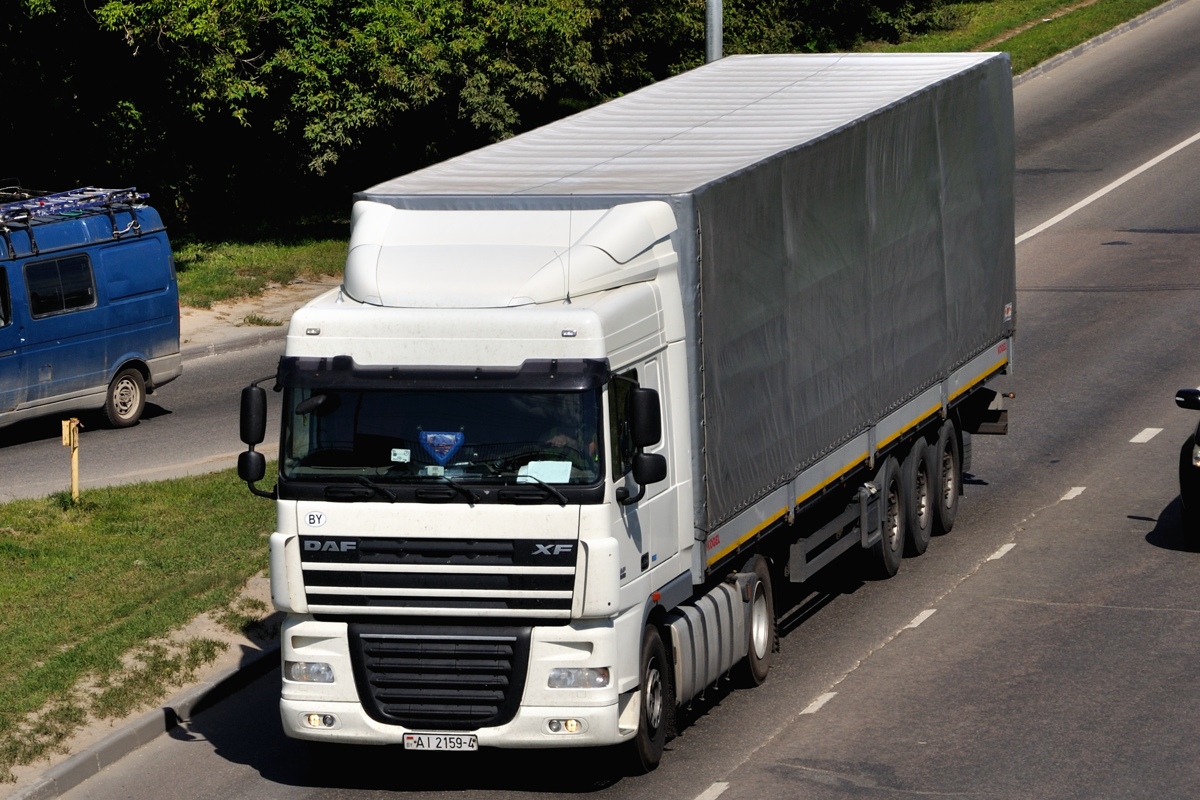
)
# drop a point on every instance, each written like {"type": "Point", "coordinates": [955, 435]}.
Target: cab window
{"type": "Point", "coordinates": [620, 437]}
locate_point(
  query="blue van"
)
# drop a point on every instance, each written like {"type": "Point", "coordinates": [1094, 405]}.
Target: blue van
{"type": "Point", "coordinates": [89, 306]}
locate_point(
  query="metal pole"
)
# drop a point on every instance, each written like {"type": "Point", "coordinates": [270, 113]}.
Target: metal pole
{"type": "Point", "coordinates": [713, 30]}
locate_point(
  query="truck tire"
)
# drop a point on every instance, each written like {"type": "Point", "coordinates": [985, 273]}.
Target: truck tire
{"type": "Point", "coordinates": [761, 632]}
{"type": "Point", "coordinates": [126, 398]}
{"type": "Point", "coordinates": [884, 556]}
{"type": "Point", "coordinates": [919, 494]}
{"type": "Point", "coordinates": [948, 469]}
{"type": "Point", "coordinates": [657, 706]}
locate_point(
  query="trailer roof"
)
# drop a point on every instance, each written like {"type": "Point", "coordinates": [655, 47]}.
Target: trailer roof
{"type": "Point", "coordinates": [679, 134]}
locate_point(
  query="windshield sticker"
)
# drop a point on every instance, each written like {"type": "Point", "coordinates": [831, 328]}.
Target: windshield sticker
{"type": "Point", "coordinates": [441, 446]}
{"type": "Point", "coordinates": [401, 455]}
{"type": "Point", "coordinates": [545, 471]}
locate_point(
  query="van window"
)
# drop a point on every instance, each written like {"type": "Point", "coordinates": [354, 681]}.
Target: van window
{"type": "Point", "coordinates": [5, 303]}
{"type": "Point", "coordinates": [64, 284]}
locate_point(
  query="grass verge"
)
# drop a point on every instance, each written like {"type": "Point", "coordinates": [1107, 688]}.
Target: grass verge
{"type": "Point", "coordinates": [213, 272]}
{"type": "Point", "coordinates": [90, 591]}
{"type": "Point", "coordinates": [1030, 31]}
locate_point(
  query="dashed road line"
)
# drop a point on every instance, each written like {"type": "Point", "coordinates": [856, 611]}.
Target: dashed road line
{"type": "Point", "coordinates": [1146, 435]}
{"type": "Point", "coordinates": [815, 705]}
{"type": "Point", "coordinates": [713, 792]}
{"type": "Point", "coordinates": [919, 618]}
{"type": "Point", "coordinates": [1001, 552]}
{"type": "Point", "coordinates": [1074, 492]}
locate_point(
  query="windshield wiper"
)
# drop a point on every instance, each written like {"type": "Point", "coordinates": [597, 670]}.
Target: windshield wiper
{"type": "Point", "coordinates": [559, 496]}
{"type": "Point", "coordinates": [375, 487]}
{"type": "Point", "coordinates": [458, 487]}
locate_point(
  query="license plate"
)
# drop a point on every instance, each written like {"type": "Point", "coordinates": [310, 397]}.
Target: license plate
{"type": "Point", "coordinates": [440, 741]}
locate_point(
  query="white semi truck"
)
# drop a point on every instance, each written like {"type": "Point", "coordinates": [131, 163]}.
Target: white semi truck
{"type": "Point", "coordinates": [586, 395]}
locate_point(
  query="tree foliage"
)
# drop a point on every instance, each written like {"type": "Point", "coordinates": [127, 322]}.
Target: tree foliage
{"type": "Point", "coordinates": [206, 100]}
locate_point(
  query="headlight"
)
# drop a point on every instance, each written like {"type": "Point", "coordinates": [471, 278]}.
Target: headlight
{"type": "Point", "coordinates": [1196, 455]}
{"type": "Point", "coordinates": [308, 671]}
{"type": "Point", "coordinates": [578, 678]}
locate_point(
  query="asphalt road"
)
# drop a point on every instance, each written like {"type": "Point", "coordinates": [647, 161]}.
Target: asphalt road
{"type": "Point", "coordinates": [1046, 648]}
{"type": "Point", "coordinates": [190, 426]}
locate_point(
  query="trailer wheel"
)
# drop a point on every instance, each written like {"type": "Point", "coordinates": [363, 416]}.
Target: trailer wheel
{"type": "Point", "coordinates": [884, 556]}
{"type": "Point", "coordinates": [919, 497]}
{"type": "Point", "coordinates": [126, 398]}
{"type": "Point", "coordinates": [761, 641]}
{"type": "Point", "coordinates": [657, 705]}
{"type": "Point", "coordinates": [948, 468]}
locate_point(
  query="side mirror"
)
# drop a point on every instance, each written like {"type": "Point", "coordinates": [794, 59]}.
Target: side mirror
{"type": "Point", "coordinates": [1188, 398]}
{"type": "Point", "coordinates": [648, 468]}
{"type": "Point", "coordinates": [252, 466]}
{"type": "Point", "coordinates": [254, 415]}
{"type": "Point", "coordinates": [645, 416]}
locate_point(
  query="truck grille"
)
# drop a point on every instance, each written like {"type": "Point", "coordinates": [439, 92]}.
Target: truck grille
{"type": "Point", "coordinates": [513, 578]}
{"type": "Point", "coordinates": [451, 678]}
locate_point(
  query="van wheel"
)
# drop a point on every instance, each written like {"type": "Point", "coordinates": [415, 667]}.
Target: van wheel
{"type": "Point", "coordinates": [657, 709]}
{"type": "Point", "coordinates": [126, 398]}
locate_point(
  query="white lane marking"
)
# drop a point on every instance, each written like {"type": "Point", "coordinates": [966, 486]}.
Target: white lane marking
{"type": "Point", "coordinates": [1075, 492]}
{"type": "Point", "coordinates": [1087, 201]}
{"type": "Point", "coordinates": [815, 705]}
{"type": "Point", "coordinates": [1001, 552]}
{"type": "Point", "coordinates": [919, 618]}
{"type": "Point", "coordinates": [713, 792]}
{"type": "Point", "coordinates": [1146, 435]}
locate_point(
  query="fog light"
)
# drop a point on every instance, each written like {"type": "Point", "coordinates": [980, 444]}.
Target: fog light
{"type": "Point", "coordinates": [578, 678]}
{"type": "Point", "coordinates": [308, 671]}
{"type": "Point", "coordinates": [566, 725]}
{"type": "Point", "coordinates": [320, 720]}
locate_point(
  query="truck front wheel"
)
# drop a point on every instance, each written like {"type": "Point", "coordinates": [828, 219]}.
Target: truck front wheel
{"type": "Point", "coordinates": [657, 705]}
{"type": "Point", "coordinates": [753, 669]}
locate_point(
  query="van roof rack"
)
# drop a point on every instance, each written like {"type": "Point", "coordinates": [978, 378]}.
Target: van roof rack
{"type": "Point", "coordinates": [82, 199]}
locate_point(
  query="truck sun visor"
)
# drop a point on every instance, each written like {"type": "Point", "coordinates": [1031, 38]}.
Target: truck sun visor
{"type": "Point", "coordinates": [565, 375]}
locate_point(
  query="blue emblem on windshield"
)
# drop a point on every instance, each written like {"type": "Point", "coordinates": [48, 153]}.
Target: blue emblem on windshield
{"type": "Point", "coordinates": [441, 446]}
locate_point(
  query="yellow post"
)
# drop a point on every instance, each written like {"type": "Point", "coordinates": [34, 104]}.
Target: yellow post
{"type": "Point", "coordinates": [70, 438]}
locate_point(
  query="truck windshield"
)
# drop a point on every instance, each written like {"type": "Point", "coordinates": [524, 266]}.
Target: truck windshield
{"type": "Point", "coordinates": [414, 436]}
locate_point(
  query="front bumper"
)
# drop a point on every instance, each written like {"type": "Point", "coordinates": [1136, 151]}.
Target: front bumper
{"type": "Point", "coordinates": [605, 716]}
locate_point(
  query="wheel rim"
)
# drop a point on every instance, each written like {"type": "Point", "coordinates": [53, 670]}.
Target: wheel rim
{"type": "Point", "coordinates": [924, 509]}
{"type": "Point", "coordinates": [125, 398]}
{"type": "Point", "coordinates": [893, 530]}
{"type": "Point", "coordinates": [760, 623]}
{"type": "Point", "coordinates": [949, 489]}
{"type": "Point", "coordinates": [654, 696]}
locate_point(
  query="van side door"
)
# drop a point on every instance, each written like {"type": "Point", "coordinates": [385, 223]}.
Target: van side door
{"type": "Point", "coordinates": [12, 373]}
{"type": "Point", "coordinates": [65, 346]}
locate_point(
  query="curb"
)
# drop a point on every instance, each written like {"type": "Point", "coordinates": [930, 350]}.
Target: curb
{"type": "Point", "coordinates": [64, 777]}
{"type": "Point", "coordinates": [240, 341]}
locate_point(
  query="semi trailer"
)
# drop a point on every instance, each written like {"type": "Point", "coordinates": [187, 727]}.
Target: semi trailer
{"type": "Point", "coordinates": [585, 396]}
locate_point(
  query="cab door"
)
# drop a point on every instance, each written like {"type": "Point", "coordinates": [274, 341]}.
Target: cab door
{"type": "Point", "coordinates": [648, 527]}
